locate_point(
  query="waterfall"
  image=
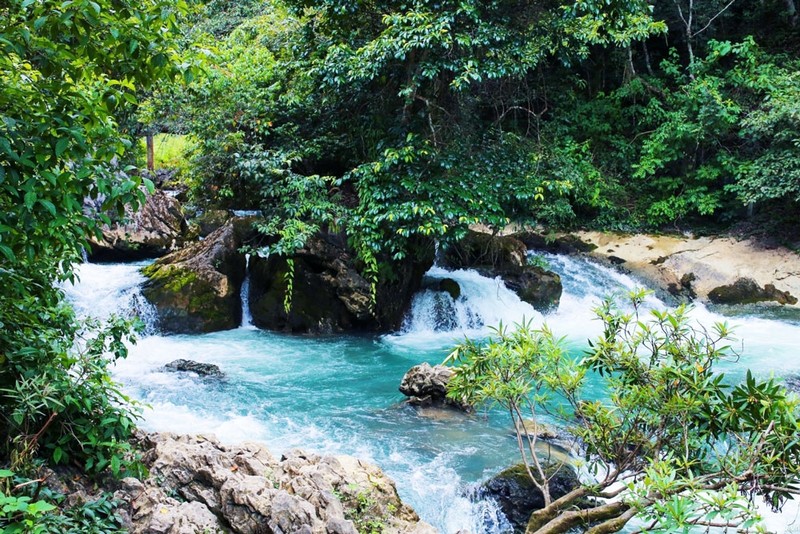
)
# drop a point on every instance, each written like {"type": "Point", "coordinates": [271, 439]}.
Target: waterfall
{"type": "Point", "coordinates": [102, 290]}
{"type": "Point", "coordinates": [247, 317]}
{"type": "Point", "coordinates": [483, 302]}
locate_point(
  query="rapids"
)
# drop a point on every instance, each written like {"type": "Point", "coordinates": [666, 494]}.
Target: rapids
{"type": "Point", "coordinates": [338, 394]}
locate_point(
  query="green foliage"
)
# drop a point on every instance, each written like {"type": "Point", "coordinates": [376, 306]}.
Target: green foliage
{"type": "Point", "coordinates": [35, 509]}
{"type": "Point", "coordinates": [69, 71]}
{"type": "Point", "coordinates": [689, 448]}
{"type": "Point", "coordinates": [20, 514]}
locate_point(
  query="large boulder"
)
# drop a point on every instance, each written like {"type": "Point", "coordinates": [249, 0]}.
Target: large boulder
{"type": "Point", "coordinates": [328, 291]}
{"type": "Point", "coordinates": [426, 385]}
{"type": "Point", "coordinates": [248, 490]}
{"type": "Point", "coordinates": [156, 229]}
{"type": "Point", "coordinates": [506, 256]}
{"type": "Point", "coordinates": [517, 495]}
{"type": "Point", "coordinates": [196, 289]}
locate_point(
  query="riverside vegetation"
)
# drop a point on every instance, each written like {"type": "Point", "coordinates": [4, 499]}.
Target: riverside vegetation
{"type": "Point", "coordinates": [393, 123]}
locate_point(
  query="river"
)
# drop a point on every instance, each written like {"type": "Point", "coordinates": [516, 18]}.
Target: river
{"type": "Point", "coordinates": [338, 394]}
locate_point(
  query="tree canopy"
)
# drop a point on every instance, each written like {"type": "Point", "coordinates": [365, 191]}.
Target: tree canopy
{"type": "Point", "coordinates": [70, 72]}
{"type": "Point", "coordinates": [667, 439]}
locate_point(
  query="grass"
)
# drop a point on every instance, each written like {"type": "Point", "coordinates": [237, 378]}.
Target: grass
{"type": "Point", "coordinates": [169, 150]}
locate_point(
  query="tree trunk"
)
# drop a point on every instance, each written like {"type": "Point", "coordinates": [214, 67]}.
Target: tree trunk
{"type": "Point", "coordinates": [539, 518]}
{"type": "Point", "coordinates": [791, 10]}
{"type": "Point", "coordinates": [566, 521]}
{"type": "Point", "coordinates": [151, 165]}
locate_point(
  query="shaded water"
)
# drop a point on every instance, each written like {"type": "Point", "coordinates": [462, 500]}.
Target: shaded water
{"type": "Point", "coordinates": [339, 394]}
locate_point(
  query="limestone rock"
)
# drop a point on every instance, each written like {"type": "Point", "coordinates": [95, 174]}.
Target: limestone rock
{"type": "Point", "coordinates": [196, 289]}
{"type": "Point", "coordinates": [517, 495]}
{"type": "Point", "coordinates": [538, 287]}
{"type": "Point", "coordinates": [329, 293]}
{"type": "Point", "coordinates": [451, 287]}
{"type": "Point", "coordinates": [211, 220]}
{"type": "Point", "coordinates": [426, 385]}
{"type": "Point", "coordinates": [720, 269]}
{"type": "Point", "coordinates": [157, 228]}
{"type": "Point", "coordinates": [201, 369]}
{"type": "Point", "coordinates": [244, 489]}
{"type": "Point", "coordinates": [480, 250]}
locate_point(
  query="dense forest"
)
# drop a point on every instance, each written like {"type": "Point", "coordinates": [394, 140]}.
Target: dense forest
{"type": "Point", "coordinates": [388, 122]}
{"type": "Point", "coordinates": [400, 119]}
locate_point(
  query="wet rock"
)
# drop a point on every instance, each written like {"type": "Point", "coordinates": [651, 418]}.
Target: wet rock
{"type": "Point", "coordinates": [517, 495]}
{"type": "Point", "coordinates": [196, 289]}
{"type": "Point", "coordinates": [426, 385]}
{"type": "Point", "coordinates": [506, 256]}
{"type": "Point", "coordinates": [211, 220]}
{"type": "Point", "coordinates": [451, 287]}
{"type": "Point", "coordinates": [485, 250]}
{"type": "Point", "coordinates": [329, 292]}
{"type": "Point", "coordinates": [539, 430]}
{"type": "Point", "coordinates": [244, 489]}
{"type": "Point", "coordinates": [538, 287]}
{"type": "Point", "coordinates": [747, 291]}
{"type": "Point", "coordinates": [201, 369]}
{"type": "Point", "coordinates": [557, 244]}
{"type": "Point", "coordinates": [721, 269]}
{"type": "Point", "coordinates": [156, 229]}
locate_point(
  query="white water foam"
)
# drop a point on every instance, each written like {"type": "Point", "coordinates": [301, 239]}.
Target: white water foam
{"type": "Point", "coordinates": [244, 293]}
{"type": "Point", "coordinates": [102, 290]}
{"type": "Point", "coordinates": [436, 319]}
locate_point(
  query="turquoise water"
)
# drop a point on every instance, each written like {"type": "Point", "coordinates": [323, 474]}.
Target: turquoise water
{"type": "Point", "coordinates": [338, 394]}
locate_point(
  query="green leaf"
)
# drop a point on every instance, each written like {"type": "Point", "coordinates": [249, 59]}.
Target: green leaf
{"type": "Point", "coordinates": [61, 146]}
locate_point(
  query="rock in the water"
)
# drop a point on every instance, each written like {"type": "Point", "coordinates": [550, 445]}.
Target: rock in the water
{"type": "Point", "coordinates": [538, 287]}
{"type": "Point", "coordinates": [517, 495]}
{"type": "Point", "coordinates": [196, 289]}
{"type": "Point", "coordinates": [725, 270]}
{"type": "Point", "coordinates": [201, 369]}
{"type": "Point", "coordinates": [539, 430]}
{"type": "Point", "coordinates": [451, 287]}
{"type": "Point", "coordinates": [747, 291]}
{"type": "Point", "coordinates": [249, 491]}
{"type": "Point", "coordinates": [506, 256]}
{"type": "Point", "coordinates": [481, 250]}
{"type": "Point", "coordinates": [426, 385]}
{"type": "Point", "coordinates": [328, 291]}
{"type": "Point", "coordinates": [156, 229]}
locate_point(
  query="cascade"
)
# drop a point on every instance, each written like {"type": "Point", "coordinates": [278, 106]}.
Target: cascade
{"type": "Point", "coordinates": [106, 289]}
{"type": "Point", "coordinates": [247, 317]}
{"type": "Point", "coordinates": [484, 302]}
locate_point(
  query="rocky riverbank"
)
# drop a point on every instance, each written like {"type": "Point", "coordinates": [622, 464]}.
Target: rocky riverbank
{"type": "Point", "coordinates": [196, 484]}
{"type": "Point", "coordinates": [720, 270]}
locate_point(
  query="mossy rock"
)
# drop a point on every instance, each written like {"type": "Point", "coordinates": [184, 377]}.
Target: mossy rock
{"type": "Point", "coordinates": [197, 288]}
{"type": "Point", "coordinates": [538, 287]}
{"type": "Point", "coordinates": [477, 249]}
{"type": "Point", "coordinates": [517, 495]}
{"type": "Point", "coordinates": [506, 256]}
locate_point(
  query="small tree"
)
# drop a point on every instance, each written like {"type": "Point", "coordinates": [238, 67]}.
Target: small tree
{"type": "Point", "coordinates": [670, 441]}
